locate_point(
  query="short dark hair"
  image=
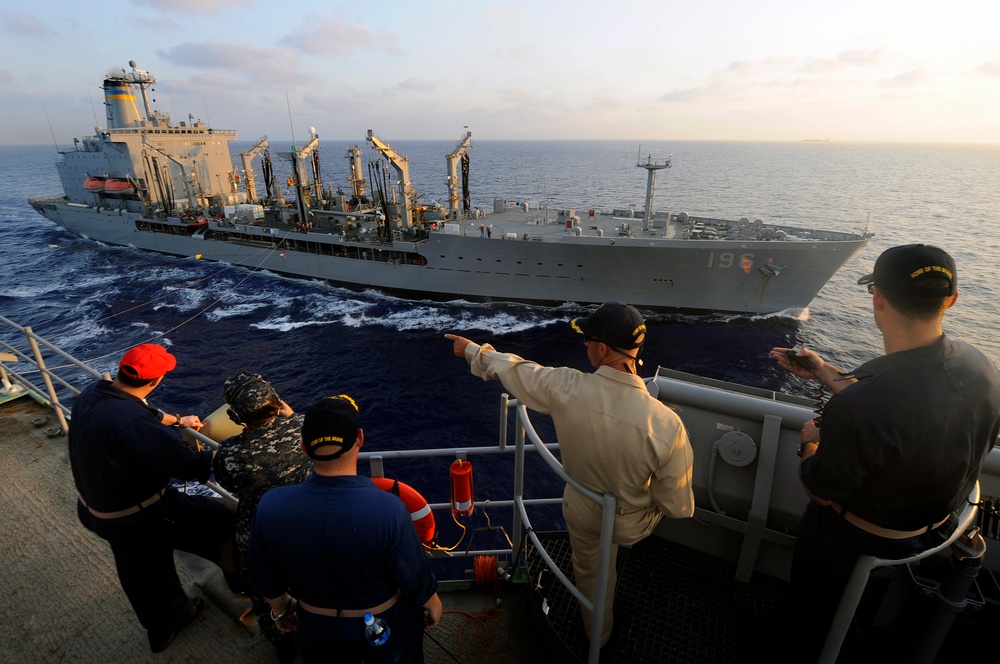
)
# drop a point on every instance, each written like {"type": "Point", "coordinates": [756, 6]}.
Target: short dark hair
{"type": "Point", "coordinates": [917, 307]}
{"type": "Point", "coordinates": [129, 381]}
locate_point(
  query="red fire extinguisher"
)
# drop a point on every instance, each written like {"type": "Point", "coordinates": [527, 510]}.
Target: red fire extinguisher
{"type": "Point", "coordinates": [461, 487]}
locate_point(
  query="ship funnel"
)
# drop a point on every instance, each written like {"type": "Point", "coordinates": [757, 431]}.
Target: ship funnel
{"type": "Point", "coordinates": [119, 98]}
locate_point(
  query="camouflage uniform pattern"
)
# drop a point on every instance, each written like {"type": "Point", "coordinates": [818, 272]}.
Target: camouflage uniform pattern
{"type": "Point", "coordinates": [249, 465]}
{"type": "Point", "coordinates": [248, 394]}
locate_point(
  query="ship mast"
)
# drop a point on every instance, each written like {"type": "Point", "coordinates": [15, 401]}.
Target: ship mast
{"type": "Point", "coordinates": [651, 167]}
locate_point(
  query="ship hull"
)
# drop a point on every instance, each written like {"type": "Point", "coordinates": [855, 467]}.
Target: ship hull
{"type": "Point", "coordinates": [651, 273]}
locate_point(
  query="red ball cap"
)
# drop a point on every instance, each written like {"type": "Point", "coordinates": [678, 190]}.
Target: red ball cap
{"type": "Point", "coordinates": [147, 362]}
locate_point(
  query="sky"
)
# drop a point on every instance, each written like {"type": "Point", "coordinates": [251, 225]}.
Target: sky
{"type": "Point", "coordinates": [754, 70]}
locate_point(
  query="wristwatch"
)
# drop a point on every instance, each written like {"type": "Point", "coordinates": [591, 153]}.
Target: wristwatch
{"type": "Point", "coordinates": [801, 448]}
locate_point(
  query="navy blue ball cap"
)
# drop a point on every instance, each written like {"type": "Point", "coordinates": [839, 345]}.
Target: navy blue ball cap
{"type": "Point", "coordinates": [330, 422]}
{"type": "Point", "coordinates": [910, 269]}
{"type": "Point", "coordinates": [618, 325]}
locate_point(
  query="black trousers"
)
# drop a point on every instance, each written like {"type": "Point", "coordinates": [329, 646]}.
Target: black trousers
{"type": "Point", "coordinates": [144, 543]}
{"type": "Point", "coordinates": [327, 640]}
{"type": "Point", "coordinates": [826, 549]}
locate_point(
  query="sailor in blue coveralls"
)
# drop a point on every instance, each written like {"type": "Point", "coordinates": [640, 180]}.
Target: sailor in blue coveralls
{"type": "Point", "coordinates": [123, 458]}
{"type": "Point", "coordinates": [327, 551]}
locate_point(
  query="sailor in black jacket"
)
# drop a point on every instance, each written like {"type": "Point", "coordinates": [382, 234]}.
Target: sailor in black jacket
{"type": "Point", "coordinates": [123, 457]}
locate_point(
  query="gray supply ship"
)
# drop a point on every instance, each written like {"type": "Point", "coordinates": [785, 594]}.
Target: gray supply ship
{"type": "Point", "coordinates": [146, 182]}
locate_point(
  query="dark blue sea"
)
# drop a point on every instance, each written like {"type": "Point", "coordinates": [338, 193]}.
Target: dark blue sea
{"type": "Point", "coordinates": [312, 340]}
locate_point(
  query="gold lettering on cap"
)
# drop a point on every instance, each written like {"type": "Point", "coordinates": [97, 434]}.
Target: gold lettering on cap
{"type": "Point", "coordinates": [931, 268]}
{"type": "Point", "coordinates": [327, 440]}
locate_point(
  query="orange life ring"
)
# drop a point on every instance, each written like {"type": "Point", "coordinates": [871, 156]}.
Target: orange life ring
{"type": "Point", "coordinates": [420, 511]}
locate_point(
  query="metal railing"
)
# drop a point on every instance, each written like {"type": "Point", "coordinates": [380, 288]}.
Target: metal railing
{"type": "Point", "coordinates": [46, 393]}
{"type": "Point", "coordinates": [608, 504]}
{"type": "Point", "coordinates": [526, 439]}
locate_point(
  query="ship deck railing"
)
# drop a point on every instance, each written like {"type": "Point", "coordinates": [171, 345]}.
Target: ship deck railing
{"type": "Point", "coordinates": [526, 439]}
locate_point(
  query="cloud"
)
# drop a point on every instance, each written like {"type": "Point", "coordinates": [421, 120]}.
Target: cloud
{"type": "Point", "coordinates": [908, 79]}
{"type": "Point", "coordinates": [845, 60]}
{"type": "Point", "coordinates": [198, 6]}
{"type": "Point", "coordinates": [740, 67]}
{"type": "Point", "coordinates": [991, 68]}
{"type": "Point", "coordinates": [24, 25]}
{"type": "Point", "coordinates": [756, 83]}
{"type": "Point", "coordinates": [252, 63]}
{"type": "Point", "coordinates": [683, 95]}
{"type": "Point", "coordinates": [415, 85]}
{"type": "Point", "coordinates": [158, 24]}
{"type": "Point", "coordinates": [321, 35]}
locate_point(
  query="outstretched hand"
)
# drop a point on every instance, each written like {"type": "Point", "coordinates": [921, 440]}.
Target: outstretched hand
{"type": "Point", "coordinates": [816, 362]}
{"type": "Point", "coordinates": [460, 344]}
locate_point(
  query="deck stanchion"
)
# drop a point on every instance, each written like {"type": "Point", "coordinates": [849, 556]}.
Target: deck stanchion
{"type": "Point", "coordinates": [40, 362]}
{"type": "Point", "coordinates": [609, 505]}
{"type": "Point", "coordinates": [518, 485]}
{"type": "Point", "coordinates": [504, 401]}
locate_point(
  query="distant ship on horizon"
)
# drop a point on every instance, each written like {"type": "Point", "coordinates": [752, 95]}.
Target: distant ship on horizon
{"type": "Point", "coordinates": [817, 140]}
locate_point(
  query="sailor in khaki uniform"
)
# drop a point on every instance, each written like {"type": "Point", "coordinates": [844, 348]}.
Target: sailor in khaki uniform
{"type": "Point", "coordinates": [613, 436]}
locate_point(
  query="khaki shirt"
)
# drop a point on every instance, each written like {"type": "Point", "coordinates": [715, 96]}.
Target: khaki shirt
{"type": "Point", "coordinates": [613, 435]}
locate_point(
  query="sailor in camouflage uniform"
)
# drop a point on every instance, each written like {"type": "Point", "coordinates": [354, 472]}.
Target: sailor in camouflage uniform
{"type": "Point", "coordinates": [265, 455]}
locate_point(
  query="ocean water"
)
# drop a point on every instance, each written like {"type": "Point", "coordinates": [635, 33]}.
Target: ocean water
{"type": "Point", "coordinates": [312, 340]}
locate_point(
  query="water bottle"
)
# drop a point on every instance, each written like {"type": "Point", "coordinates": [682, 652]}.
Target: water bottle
{"type": "Point", "coordinates": [376, 630]}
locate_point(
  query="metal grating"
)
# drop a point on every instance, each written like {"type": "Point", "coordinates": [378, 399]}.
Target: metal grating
{"type": "Point", "coordinates": [673, 604]}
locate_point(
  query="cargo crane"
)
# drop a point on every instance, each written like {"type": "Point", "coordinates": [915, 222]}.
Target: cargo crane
{"type": "Point", "coordinates": [402, 166]}
{"type": "Point", "coordinates": [461, 152]}
{"type": "Point", "coordinates": [247, 158]}
{"type": "Point", "coordinates": [357, 176]}
{"type": "Point", "coordinates": [312, 149]}
{"type": "Point", "coordinates": [298, 179]}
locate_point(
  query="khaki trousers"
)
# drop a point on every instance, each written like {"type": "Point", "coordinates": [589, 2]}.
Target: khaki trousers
{"type": "Point", "coordinates": [583, 521]}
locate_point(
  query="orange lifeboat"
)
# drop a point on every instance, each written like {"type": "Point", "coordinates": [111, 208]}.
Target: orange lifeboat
{"type": "Point", "coordinates": [94, 185]}
{"type": "Point", "coordinates": [118, 187]}
{"type": "Point", "coordinates": [420, 511]}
